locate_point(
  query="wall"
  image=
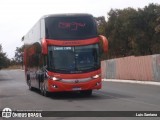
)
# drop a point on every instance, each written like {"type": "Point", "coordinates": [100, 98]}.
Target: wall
{"type": "Point", "coordinates": [133, 68]}
{"type": "Point", "coordinates": [156, 67]}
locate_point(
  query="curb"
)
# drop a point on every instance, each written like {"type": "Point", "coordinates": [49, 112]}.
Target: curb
{"type": "Point", "coordinates": [133, 81]}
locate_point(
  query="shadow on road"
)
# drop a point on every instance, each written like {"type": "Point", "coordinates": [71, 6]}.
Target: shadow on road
{"type": "Point", "coordinates": [96, 95]}
{"type": "Point", "coordinates": [113, 95]}
{"type": "Point", "coordinates": [4, 79]}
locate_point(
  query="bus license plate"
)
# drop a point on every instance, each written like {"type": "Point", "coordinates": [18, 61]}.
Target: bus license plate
{"type": "Point", "coordinates": [76, 88]}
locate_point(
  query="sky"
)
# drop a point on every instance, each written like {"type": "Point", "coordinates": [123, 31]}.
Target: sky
{"type": "Point", "coordinates": [17, 17]}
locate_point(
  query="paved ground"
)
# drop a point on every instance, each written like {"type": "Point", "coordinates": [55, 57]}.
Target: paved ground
{"type": "Point", "coordinates": [114, 96]}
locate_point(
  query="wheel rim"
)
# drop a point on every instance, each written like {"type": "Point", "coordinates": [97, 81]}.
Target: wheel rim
{"type": "Point", "coordinates": [41, 88]}
{"type": "Point", "coordinates": [46, 93]}
{"type": "Point", "coordinates": [44, 90]}
{"type": "Point", "coordinates": [29, 84]}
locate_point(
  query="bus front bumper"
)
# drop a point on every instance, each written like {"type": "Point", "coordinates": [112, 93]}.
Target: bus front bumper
{"type": "Point", "coordinates": [62, 86]}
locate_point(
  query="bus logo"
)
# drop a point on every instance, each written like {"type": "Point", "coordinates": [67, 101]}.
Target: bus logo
{"type": "Point", "coordinates": [76, 81]}
{"type": "Point", "coordinates": [6, 113]}
{"type": "Point", "coordinates": [72, 43]}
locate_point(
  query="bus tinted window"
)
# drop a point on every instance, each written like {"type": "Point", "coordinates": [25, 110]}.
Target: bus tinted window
{"type": "Point", "coordinates": [75, 59]}
{"type": "Point", "coordinates": [81, 27]}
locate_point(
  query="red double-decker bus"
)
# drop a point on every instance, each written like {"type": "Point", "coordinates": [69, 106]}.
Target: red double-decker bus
{"type": "Point", "coordinates": [62, 53]}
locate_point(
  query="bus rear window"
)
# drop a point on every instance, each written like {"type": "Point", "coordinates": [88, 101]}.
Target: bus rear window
{"type": "Point", "coordinates": [63, 28]}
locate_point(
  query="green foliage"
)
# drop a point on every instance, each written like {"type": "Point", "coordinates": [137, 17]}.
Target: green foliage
{"type": "Point", "coordinates": [132, 32]}
{"type": "Point", "coordinates": [101, 24]}
{"type": "Point", "coordinates": [18, 58]}
{"type": "Point", "coordinates": [4, 61]}
{"type": "Point", "coordinates": [157, 28]}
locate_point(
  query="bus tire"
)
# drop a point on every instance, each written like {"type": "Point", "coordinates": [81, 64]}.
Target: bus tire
{"type": "Point", "coordinates": [29, 85]}
{"type": "Point", "coordinates": [45, 92]}
{"type": "Point", "coordinates": [41, 88]}
{"type": "Point", "coordinates": [27, 79]}
{"type": "Point", "coordinates": [86, 92]}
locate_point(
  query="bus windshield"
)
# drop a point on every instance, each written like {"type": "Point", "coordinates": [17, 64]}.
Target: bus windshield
{"type": "Point", "coordinates": [70, 27]}
{"type": "Point", "coordinates": [73, 59]}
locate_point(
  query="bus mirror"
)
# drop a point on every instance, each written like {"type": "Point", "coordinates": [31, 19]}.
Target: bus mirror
{"type": "Point", "coordinates": [104, 43]}
{"type": "Point", "coordinates": [44, 47]}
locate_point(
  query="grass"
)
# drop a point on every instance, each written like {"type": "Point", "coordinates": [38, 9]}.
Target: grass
{"type": "Point", "coordinates": [14, 67]}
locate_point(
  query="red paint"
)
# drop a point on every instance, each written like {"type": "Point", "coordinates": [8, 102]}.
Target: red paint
{"type": "Point", "coordinates": [44, 47]}
{"type": "Point", "coordinates": [72, 42]}
{"type": "Point", "coordinates": [74, 76]}
{"type": "Point", "coordinates": [31, 51]}
{"type": "Point", "coordinates": [68, 87]}
{"type": "Point", "coordinates": [105, 43]}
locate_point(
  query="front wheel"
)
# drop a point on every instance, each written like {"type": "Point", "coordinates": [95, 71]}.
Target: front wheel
{"type": "Point", "coordinates": [43, 89]}
{"type": "Point", "coordinates": [29, 85]}
{"type": "Point", "coordinates": [86, 92]}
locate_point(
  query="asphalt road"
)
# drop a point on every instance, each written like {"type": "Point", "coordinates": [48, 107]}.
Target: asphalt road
{"type": "Point", "coordinates": [14, 94]}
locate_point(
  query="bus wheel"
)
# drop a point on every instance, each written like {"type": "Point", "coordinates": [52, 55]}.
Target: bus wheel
{"type": "Point", "coordinates": [41, 88]}
{"type": "Point", "coordinates": [29, 85]}
{"type": "Point", "coordinates": [86, 92]}
{"type": "Point", "coordinates": [45, 92]}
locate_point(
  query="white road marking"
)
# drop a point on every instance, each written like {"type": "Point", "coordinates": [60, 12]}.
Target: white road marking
{"type": "Point", "coordinates": [133, 81]}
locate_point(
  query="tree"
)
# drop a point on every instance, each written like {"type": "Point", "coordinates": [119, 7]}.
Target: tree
{"type": "Point", "coordinates": [120, 30]}
{"type": "Point", "coordinates": [18, 58]}
{"type": "Point", "coordinates": [157, 28]}
{"type": "Point", "coordinates": [4, 61]}
{"type": "Point", "coordinates": [151, 39]}
{"type": "Point", "coordinates": [101, 25]}
{"type": "Point", "coordinates": [133, 32]}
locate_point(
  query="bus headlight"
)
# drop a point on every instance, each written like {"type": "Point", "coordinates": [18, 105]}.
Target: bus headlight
{"type": "Point", "coordinates": [53, 78]}
{"type": "Point", "coordinates": [96, 76]}
{"type": "Point", "coordinates": [56, 79]}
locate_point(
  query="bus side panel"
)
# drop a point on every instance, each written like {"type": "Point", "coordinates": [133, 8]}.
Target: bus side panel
{"type": "Point", "coordinates": [33, 63]}
{"type": "Point", "coordinates": [33, 57]}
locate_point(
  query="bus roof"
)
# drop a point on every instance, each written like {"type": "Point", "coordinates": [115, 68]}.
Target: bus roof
{"type": "Point", "coordinates": [67, 15]}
